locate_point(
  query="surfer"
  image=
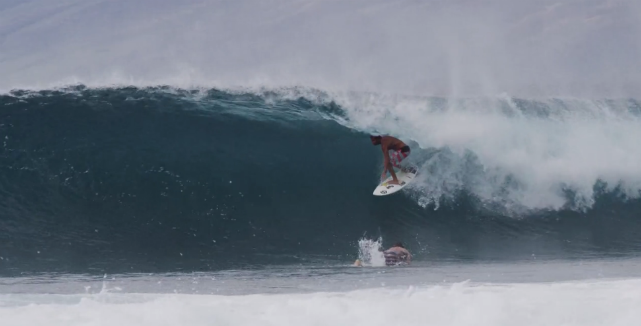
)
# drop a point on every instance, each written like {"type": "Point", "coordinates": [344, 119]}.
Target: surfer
{"type": "Point", "coordinates": [397, 254]}
{"type": "Point", "coordinates": [394, 151]}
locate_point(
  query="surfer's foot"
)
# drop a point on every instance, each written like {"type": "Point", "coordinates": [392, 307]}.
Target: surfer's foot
{"type": "Point", "coordinates": [393, 182]}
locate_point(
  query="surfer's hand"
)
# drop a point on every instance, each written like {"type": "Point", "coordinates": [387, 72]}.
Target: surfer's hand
{"type": "Point", "coordinates": [383, 175]}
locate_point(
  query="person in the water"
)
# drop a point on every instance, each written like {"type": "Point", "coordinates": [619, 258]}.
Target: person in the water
{"type": "Point", "coordinates": [394, 151]}
{"type": "Point", "coordinates": [397, 255]}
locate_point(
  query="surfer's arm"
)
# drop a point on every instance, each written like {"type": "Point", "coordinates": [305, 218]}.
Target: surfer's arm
{"type": "Point", "coordinates": [385, 160]}
{"type": "Point", "coordinates": [387, 164]}
{"type": "Point", "coordinates": [385, 155]}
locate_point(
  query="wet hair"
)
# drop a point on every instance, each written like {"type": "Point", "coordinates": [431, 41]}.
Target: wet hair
{"type": "Point", "coordinates": [375, 137]}
{"type": "Point", "coordinates": [399, 244]}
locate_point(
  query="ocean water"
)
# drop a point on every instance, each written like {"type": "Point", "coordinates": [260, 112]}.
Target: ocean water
{"type": "Point", "coordinates": [585, 292]}
{"type": "Point", "coordinates": [208, 162]}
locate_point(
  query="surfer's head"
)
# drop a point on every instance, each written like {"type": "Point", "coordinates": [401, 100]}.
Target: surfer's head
{"type": "Point", "coordinates": [376, 140]}
{"type": "Point", "coordinates": [399, 244]}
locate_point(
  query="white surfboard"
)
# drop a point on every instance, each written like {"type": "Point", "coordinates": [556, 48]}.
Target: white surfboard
{"type": "Point", "coordinates": [404, 178]}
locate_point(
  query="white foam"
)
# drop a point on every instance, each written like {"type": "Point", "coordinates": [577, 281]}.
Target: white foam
{"type": "Point", "coordinates": [574, 303]}
{"type": "Point", "coordinates": [546, 148]}
{"type": "Point", "coordinates": [369, 252]}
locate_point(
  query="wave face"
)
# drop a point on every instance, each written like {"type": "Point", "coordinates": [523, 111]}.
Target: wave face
{"type": "Point", "coordinates": [158, 179]}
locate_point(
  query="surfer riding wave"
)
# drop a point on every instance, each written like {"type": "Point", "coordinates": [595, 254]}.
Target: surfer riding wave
{"type": "Point", "coordinates": [394, 151]}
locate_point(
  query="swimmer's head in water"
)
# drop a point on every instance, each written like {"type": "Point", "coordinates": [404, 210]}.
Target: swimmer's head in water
{"type": "Point", "coordinates": [399, 244]}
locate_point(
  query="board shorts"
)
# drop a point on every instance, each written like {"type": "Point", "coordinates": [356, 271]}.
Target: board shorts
{"type": "Point", "coordinates": [393, 259]}
{"type": "Point", "coordinates": [399, 155]}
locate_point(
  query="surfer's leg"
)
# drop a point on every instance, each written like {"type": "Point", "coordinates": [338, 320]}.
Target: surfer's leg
{"type": "Point", "coordinates": [397, 157]}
